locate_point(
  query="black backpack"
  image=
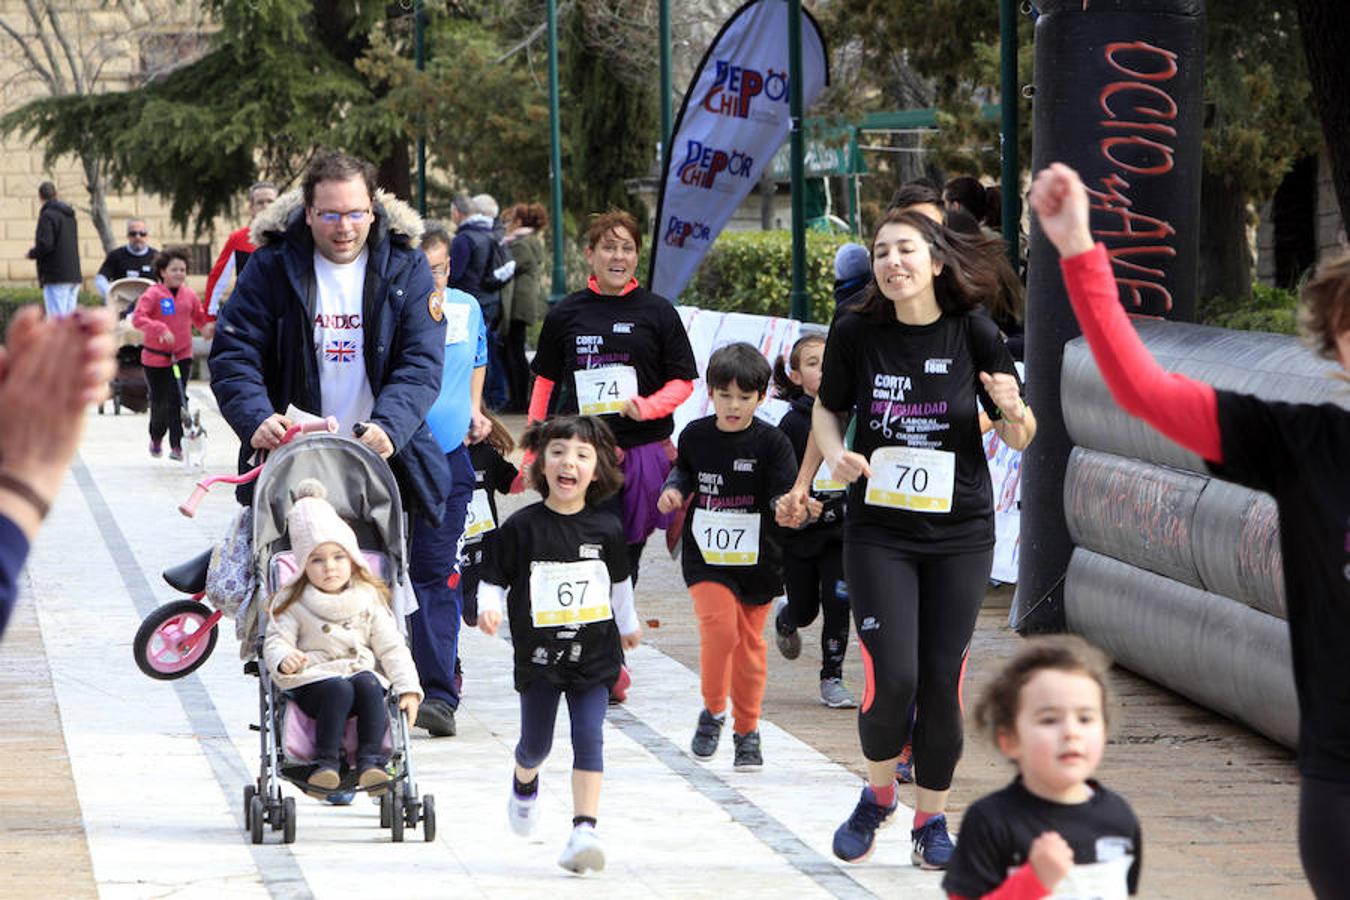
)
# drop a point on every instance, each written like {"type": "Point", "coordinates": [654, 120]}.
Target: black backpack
{"type": "Point", "coordinates": [498, 256]}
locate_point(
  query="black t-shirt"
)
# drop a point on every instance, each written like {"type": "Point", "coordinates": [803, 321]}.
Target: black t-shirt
{"type": "Point", "coordinates": [122, 263]}
{"type": "Point", "coordinates": [572, 656]}
{"type": "Point", "coordinates": [734, 472]}
{"type": "Point", "coordinates": [1298, 453]}
{"type": "Point", "coordinates": [493, 475]}
{"type": "Point", "coordinates": [916, 386]}
{"type": "Point", "coordinates": [811, 540]}
{"type": "Point", "coordinates": [587, 330]}
{"type": "Point", "coordinates": [997, 831]}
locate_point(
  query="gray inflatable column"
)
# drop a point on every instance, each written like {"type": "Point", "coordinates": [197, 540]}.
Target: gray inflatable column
{"type": "Point", "coordinates": [1118, 97]}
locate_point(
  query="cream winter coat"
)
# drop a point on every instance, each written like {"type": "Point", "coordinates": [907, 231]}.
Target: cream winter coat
{"type": "Point", "coordinates": [342, 634]}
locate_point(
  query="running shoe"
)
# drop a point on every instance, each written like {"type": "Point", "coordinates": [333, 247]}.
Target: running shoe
{"type": "Point", "coordinates": [786, 637]}
{"type": "Point", "coordinates": [707, 734]}
{"type": "Point", "coordinates": [834, 695]}
{"type": "Point", "coordinates": [175, 454]}
{"type": "Point", "coordinates": [341, 798]}
{"type": "Point", "coordinates": [904, 766]}
{"type": "Point", "coordinates": [523, 811]}
{"type": "Point", "coordinates": [437, 717]}
{"type": "Point", "coordinates": [583, 851]}
{"type": "Point", "coordinates": [933, 847]}
{"type": "Point", "coordinates": [749, 757]}
{"type": "Point", "coordinates": [853, 841]}
{"type": "Point", "coordinates": [156, 449]}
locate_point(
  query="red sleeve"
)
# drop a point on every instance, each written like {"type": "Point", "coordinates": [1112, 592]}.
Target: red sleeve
{"type": "Point", "coordinates": [226, 257]}
{"type": "Point", "coordinates": [1183, 409]}
{"type": "Point", "coordinates": [1020, 885]}
{"type": "Point", "coordinates": [543, 389]}
{"type": "Point", "coordinates": [665, 400]}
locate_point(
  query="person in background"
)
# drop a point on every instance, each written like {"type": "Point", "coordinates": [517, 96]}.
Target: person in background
{"type": "Point", "coordinates": [455, 419]}
{"type": "Point", "coordinates": [524, 298]}
{"type": "Point", "coordinates": [56, 248]}
{"type": "Point", "coordinates": [166, 314]}
{"type": "Point", "coordinates": [237, 248]}
{"type": "Point", "coordinates": [134, 259]}
{"type": "Point", "coordinates": [50, 372]}
{"type": "Point", "coordinates": [852, 273]}
{"type": "Point", "coordinates": [471, 271]}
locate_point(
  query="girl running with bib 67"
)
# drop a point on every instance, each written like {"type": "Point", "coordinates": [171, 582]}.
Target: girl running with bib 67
{"type": "Point", "coordinates": [560, 571]}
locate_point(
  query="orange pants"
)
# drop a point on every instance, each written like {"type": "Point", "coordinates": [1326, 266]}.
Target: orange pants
{"type": "Point", "coordinates": [732, 654]}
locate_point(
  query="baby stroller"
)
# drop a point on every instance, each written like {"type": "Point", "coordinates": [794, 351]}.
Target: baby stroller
{"type": "Point", "coordinates": [129, 389]}
{"type": "Point", "coordinates": [362, 489]}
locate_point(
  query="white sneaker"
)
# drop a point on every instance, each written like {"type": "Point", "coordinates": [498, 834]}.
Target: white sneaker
{"type": "Point", "coordinates": [522, 811]}
{"type": "Point", "coordinates": [583, 851]}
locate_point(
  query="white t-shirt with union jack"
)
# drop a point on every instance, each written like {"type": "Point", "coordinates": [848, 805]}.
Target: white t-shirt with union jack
{"type": "Point", "coordinates": [344, 389]}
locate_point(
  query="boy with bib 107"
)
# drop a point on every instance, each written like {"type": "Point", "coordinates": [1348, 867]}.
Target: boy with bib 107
{"type": "Point", "coordinates": [735, 467]}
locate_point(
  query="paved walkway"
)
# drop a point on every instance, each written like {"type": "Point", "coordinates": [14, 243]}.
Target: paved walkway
{"type": "Point", "coordinates": [131, 787]}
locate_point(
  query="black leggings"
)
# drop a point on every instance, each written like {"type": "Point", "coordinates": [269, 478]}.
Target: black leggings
{"type": "Point", "coordinates": [166, 402]}
{"type": "Point", "coordinates": [1324, 836]}
{"type": "Point", "coordinates": [815, 584]}
{"type": "Point", "coordinates": [915, 614]}
{"type": "Point", "coordinates": [538, 712]}
{"type": "Point", "coordinates": [330, 702]}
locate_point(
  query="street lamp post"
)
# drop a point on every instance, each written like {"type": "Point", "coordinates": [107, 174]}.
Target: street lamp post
{"type": "Point", "coordinates": [555, 156]}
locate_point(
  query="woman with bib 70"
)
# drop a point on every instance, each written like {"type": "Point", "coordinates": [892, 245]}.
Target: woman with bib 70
{"type": "Point", "coordinates": [913, 365]}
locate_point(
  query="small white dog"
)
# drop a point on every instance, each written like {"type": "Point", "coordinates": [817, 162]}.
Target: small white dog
{"type": "Point", "coordinates": [194, 438]}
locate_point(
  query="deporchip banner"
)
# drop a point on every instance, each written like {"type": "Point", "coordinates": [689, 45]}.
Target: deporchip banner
{"type": "Point", "coordinates": [734, 116]}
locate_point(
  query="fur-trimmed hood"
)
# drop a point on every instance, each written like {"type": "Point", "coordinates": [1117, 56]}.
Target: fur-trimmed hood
{"type": "Point", "coordinates": [286, 212]}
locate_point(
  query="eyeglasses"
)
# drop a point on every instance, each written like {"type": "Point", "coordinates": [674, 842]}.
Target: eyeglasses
{"type": "Point", "coordinates": [138, 234]}
{"type": "Point", "coordinates": [355, 216]}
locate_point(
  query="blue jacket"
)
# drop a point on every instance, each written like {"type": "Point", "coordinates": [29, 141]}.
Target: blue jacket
{"type": "Point", "coordinates": [263, 357]}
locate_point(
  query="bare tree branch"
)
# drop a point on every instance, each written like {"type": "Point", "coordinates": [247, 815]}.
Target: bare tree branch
{"type": "Point", "coordinates": [54, 64]}
{"type": "Point", "coordinates": [76, 70]}
{"type": "Point", "coordinates": [42, 71]}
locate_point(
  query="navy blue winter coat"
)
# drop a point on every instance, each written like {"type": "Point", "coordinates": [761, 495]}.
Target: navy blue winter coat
{"type": "Point", "coordinates": [263, 357]}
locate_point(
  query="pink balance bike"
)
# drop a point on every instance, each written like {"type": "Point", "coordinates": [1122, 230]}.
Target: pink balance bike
{"type": "Point", "coordinates": [175, 639]}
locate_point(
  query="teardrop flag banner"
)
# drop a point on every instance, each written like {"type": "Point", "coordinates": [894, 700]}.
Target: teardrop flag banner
{"type": "Point", "coordinates": [734, 117]}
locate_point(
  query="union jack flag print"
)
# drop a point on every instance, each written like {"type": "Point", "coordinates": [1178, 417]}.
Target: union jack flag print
{"type": "Point", "coordinates": [340, 351]}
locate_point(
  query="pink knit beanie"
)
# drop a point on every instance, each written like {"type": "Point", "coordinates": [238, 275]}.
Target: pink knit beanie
{"type": "Point", "coordinates": [313, 521]}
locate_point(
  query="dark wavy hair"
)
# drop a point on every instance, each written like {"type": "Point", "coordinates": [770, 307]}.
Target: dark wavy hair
{"type": "Point", "coordinates": [587, 429]}
{"type": "Point", "coordinates": [996, 711]}
{"type": "Point", "coordinates": [164, 257]}
{"type": "Point", "coordinates": [970, 267]}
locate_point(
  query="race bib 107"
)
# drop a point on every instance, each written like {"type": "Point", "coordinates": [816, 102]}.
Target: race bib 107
{"type": "Point", "coordinates": [727, 538]}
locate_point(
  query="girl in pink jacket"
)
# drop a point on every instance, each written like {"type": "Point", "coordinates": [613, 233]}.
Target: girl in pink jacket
{"type": "Point", "coordinates": [166, 315]}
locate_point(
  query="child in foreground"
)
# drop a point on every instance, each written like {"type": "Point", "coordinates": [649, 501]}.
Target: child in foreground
{"type": "Point", "coordinates": [1054, 831]}
{"type": "Point", "coordinates": [330, 627]}
{"type": "Point", "coordinates": [560, 571]}
{"type": "Point", "coordinates": [735, 467]}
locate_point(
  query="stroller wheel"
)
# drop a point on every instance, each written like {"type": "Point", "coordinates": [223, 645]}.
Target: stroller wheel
{"type": "Point", "coordinates": [288, 820]}
{"type": "Point", "coordinates": [249, 793]}
{"type": "Point", "coordinates": [256, 818]}
{"type": "Point", "coordinates": [396, 817]}
{"type": "Point", "coordinates": [165, 647]}
{"type": "Point", "coordinates": [385, 805]}
{"type": "Point", "coordinates": [428, 818]}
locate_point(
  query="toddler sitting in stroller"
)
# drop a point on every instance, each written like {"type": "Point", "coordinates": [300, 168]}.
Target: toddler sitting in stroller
{"type": "Point", "coordinates": [331, 627]}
